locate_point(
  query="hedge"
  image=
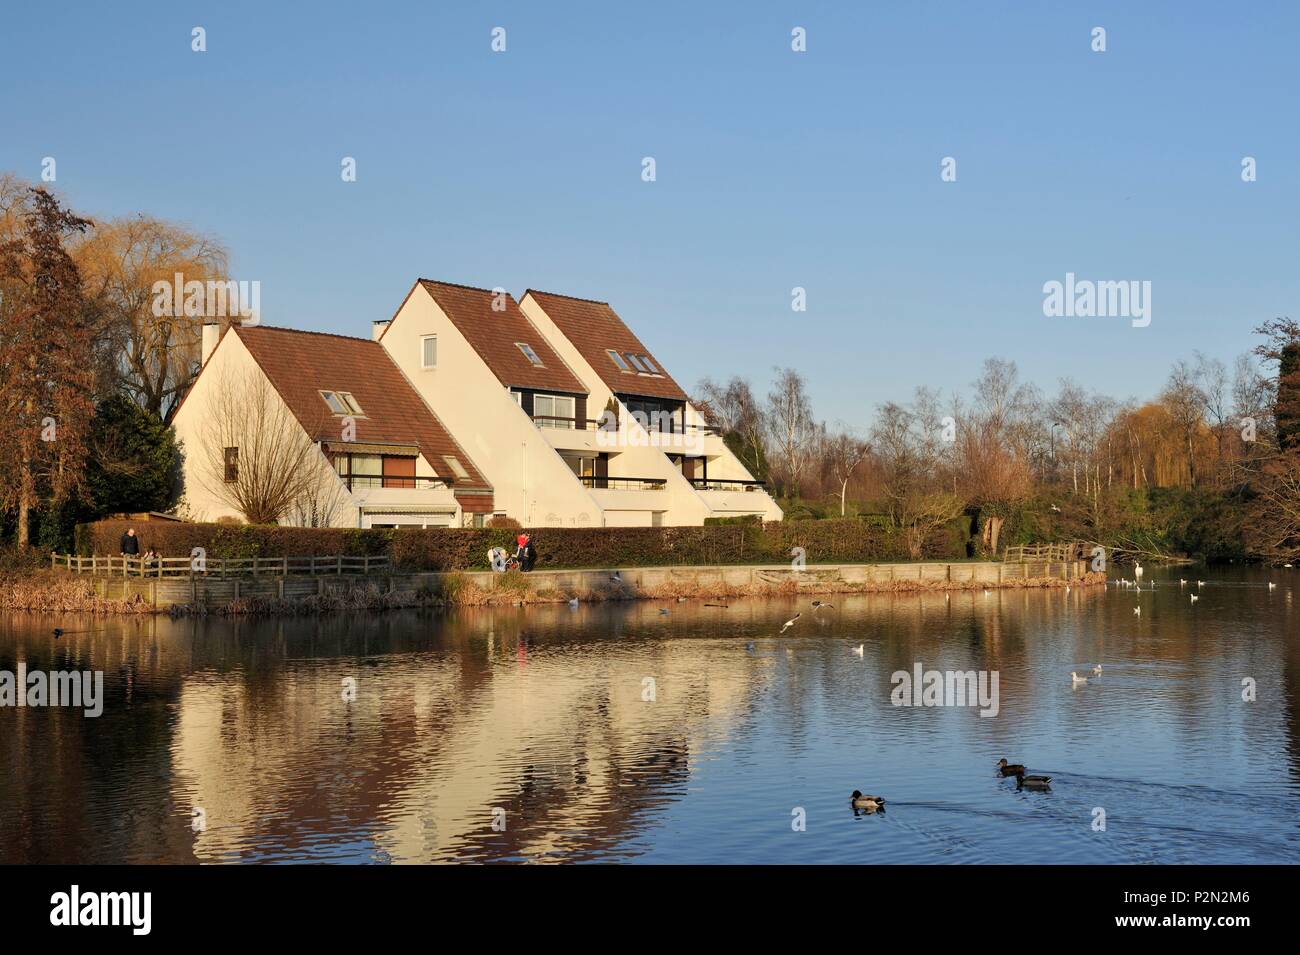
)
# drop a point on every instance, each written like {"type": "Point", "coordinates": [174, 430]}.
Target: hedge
{"type": "Point", "coordinates": [441, 549]}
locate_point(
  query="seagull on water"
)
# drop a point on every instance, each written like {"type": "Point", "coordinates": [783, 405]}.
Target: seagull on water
{"type": "Point", "coordinates": [1272, 586]}
{"type": "Point", "coordinates": [790, 623]}
{"type": "Point", "coordinates": [1076, 680]}
{"type": "Point", "coordinates": [1195, 598]}
{"type": "Point", "coordinates": [573, 601]}
{"type": "Point", "coordinates": [1137, 611]}
{"type": "Point", "coordinates": [1096, 671]}
{"type": "Point", "coordinates": [859, 648]}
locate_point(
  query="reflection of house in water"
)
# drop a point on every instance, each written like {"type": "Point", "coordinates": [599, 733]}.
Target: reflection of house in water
{"type": "Point", "coordinates": [555, 732]}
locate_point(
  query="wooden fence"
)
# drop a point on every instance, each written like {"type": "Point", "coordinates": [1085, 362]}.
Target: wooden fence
{"type": "Point", "coordinates": [1045, 553]}
{"type": "Point", "coordinates": [220, 567]}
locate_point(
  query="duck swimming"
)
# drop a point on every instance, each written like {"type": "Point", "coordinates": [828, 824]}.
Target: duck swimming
{"type": "Point", "coordinates": [1077, 680]}
{"type": "Point", "coordinates": [1033, 782]}
{"type": "Point", "coordinates": [867, 803]}
{"type": "Point", "coordinates": [1010, 769]}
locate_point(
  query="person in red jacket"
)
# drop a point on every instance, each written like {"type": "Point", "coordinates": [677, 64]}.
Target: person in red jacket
{"type": "Point", "coordinates": [525, 553]}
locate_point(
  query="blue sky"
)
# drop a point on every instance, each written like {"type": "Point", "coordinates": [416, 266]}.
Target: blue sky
{"type": "Point", "coordinates": [774, 169]}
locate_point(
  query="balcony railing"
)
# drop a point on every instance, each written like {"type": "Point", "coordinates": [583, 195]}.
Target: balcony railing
{"type": "Point", "coordinates": [357, 481]}
{"type": "Point", "coordinates": [562, 423]}
{"type": "Point", "coordinates": [623, 483]}
{"type": "Point", "coordinates": [710, 484]}
{"type": "Point", "coordinates": [589, 424]}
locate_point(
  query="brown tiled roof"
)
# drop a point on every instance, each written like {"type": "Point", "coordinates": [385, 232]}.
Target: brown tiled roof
{"type": "Point", "coordinates": [592, 327]}
{"type": "Point", "coordinates": [493, 336]}
{"type": "Point", "coordinates": [303, 364]}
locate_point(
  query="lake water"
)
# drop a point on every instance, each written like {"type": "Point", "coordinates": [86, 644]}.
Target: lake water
{"type": "Point", "coordinates": [524, 734]}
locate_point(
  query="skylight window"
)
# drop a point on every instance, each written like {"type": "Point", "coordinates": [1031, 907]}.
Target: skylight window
{"type": "Point", "coordinates": [617, 359]}
{"type": "Point", "coordinates": [650, 366]}
{"type": "Point", "coordinates": [529, 353]}
{"type": "Point", "coordinates": [636, 362]}
{"type": "Point", "coordinates": [456, 467]}
{"type": "Point", "coordinates": [342, 402]}
{"type": "Point", "coordinates": [333, 401]}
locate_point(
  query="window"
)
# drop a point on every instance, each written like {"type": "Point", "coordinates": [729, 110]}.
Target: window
{"type": "Point", "coordinates": [429, 351]}
{"type": "Point", "coordinates": [333, 401]}
{"type": "Point", "coordinates": [231, 460]}
{"type": "Point", "coordinates": [649, 365]}
{"type": "Point", "coordinates": [549, 409]}
{"type": "Point", "coordinates": [529, 353]}
{"type": "Point", "coordinates": [457, 468]}
{"type": "Point", "coordinates": [617, 359]}
{"type": "Point", "coordinates": [342, 402]}
{"type": "Point", "coordinates": [636, 362]}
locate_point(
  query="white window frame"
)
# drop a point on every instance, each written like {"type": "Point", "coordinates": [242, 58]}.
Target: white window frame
{"type": "Point", "coordinates": [331, 399]}
{"type": "Point", "coordinates": [556, 411]}
{"type": "Point", "coordinates": [424, 351]}
{"type": "Point", "coordinates": [530, 354]}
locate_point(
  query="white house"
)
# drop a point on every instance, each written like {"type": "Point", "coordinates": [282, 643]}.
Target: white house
{"type": "Point", "coordinates": [517, 396]}
{"type": "Point", "coordinates": [653, 412]}
{"type": "Point", "coordinates": [381, 457]}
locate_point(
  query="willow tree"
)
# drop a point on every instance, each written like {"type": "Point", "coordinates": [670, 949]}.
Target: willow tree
{"type": "Point", "coordinates": [156, 349]}
{"type": "Point", "coordinates": [47, 338]}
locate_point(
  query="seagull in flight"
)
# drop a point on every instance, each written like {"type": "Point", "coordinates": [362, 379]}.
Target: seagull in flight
{"type": "Point", "coordinates": [790, 623]}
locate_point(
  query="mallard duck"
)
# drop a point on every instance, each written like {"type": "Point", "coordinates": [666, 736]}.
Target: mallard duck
{"type": "Point", "coordinates": [1033, 782]}
{"type": "Point", "coordinates": [1077, 680]}
{"type": "Point", "coordinates": [1010, 769]}
{"type": "Point", "coordinates": [869, 803]}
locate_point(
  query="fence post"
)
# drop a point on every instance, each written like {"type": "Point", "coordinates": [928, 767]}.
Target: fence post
{"type": "Point", "coordinates": [338, 569]}
{"type": "Point", "coordinates": [284, 569]}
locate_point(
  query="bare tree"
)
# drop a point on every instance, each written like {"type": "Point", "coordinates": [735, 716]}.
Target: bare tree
{"type": "Point", "coordinates": [733, 410]}
{"type": "Point", "coordinates": [790, 426]}
{"type": "Point", "coordinates": [843, 452]}
{"type": "Point", "coordinates": [255, 455]}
